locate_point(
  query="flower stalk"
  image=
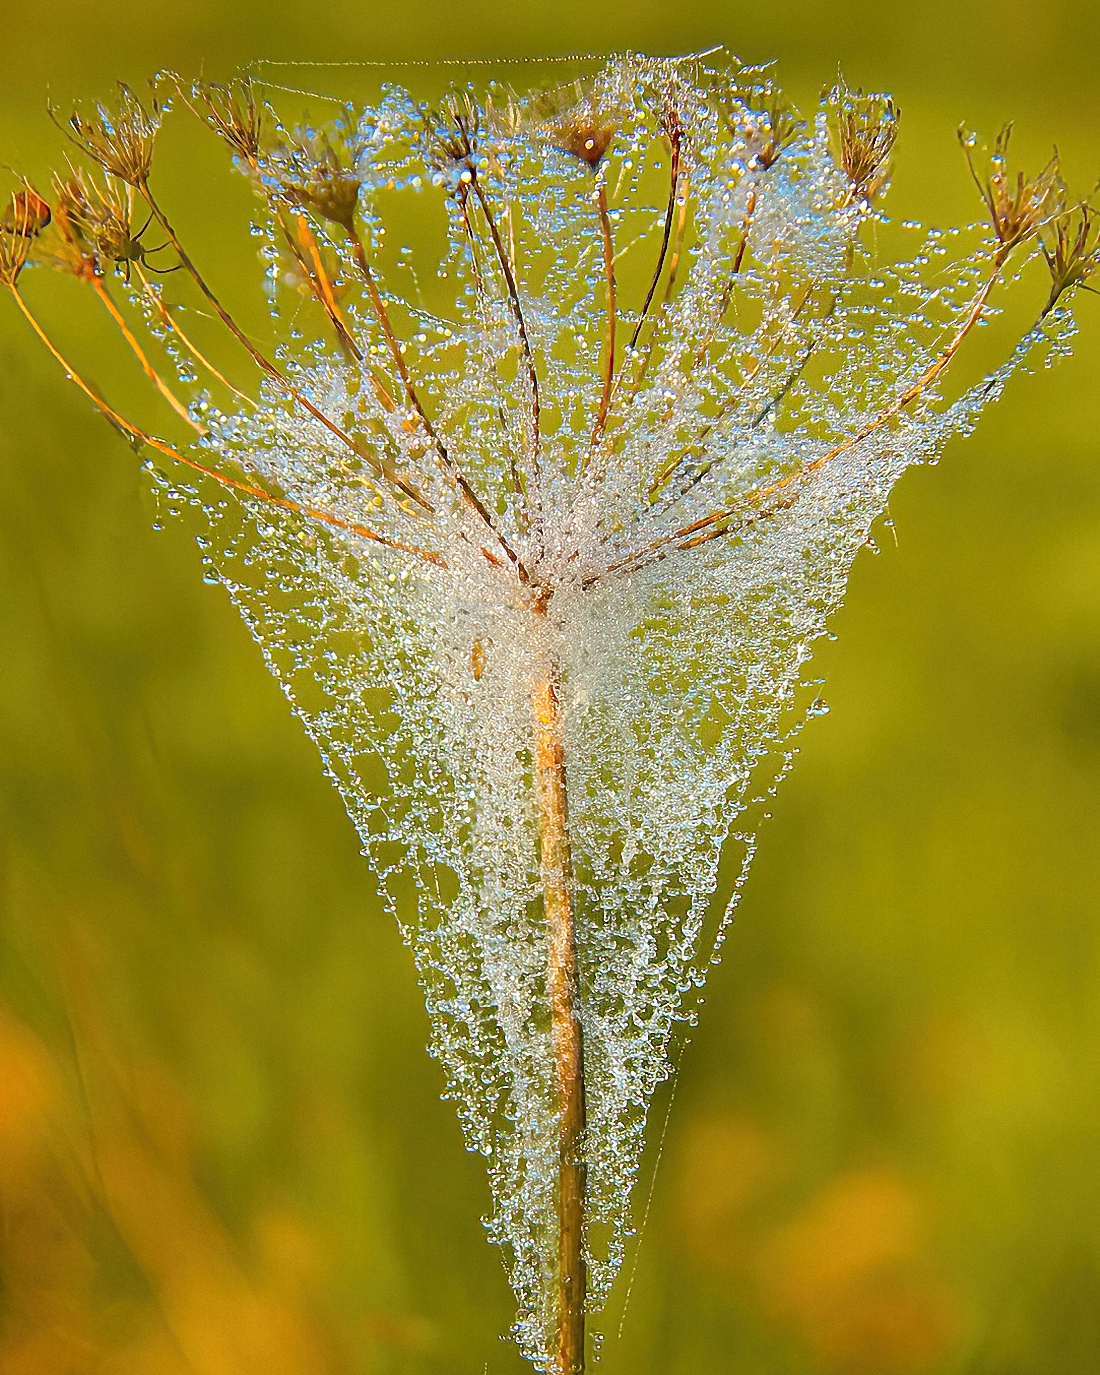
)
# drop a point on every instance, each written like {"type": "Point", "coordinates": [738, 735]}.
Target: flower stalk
{"type": "Point", "coordinates": [566, 1035]}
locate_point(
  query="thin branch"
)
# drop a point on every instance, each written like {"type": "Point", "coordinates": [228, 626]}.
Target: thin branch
{"type": "Point", "coordinates": [100, 287]}
{"type": "Point", "coordinates": [666, 235]}
{"type": "Point", "coordinates": [750, 211]}
{"type": "Point", "coordinates": [318, 280]}
{"type": "Point", "coordinates": [525, 344]}
{"type": "Point", "coordinates": [174, 325]}
{"type": "Point", "coordinates": [673, 268]}
{"type": "Point", "coordinates": [141, 437]}
{"type": "Point", "coordinates": [609, 273]}
{"type": "Point", "coordinates": [472, 500]}
{"type": "Point", "coordinates": [524, 514]}
{"type": "Point", "coordinates": [275, 373]}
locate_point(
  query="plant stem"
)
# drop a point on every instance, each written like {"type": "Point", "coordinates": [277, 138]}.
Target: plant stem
{"type": "Point", "coordinates": [565, 1026]}
{"type": "Point", "coordinates": [100, 287]}
{"type": "Point", "coordinates": [609, 273]}
{"type": "Point", "coordinates": [140, 437]}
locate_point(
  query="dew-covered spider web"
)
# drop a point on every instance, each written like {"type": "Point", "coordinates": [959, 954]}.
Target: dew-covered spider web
{"type": "Point", "coordinates": [645, 362]}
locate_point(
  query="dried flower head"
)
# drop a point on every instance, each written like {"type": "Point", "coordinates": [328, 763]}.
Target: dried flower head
{"type": "Point", "coordinates": [95, 226]}
{"type": "Point", "coordinates": [66, 246]}
{"type": "Point", "coordinates": [863, 129]}
{"type": "Point", "coordinates": [1071, 247]}
{"type": "Point", "coordinates": [770, 126]}
{"type": "Point", "coordinates": [758, 114]}
{"type": "Point", "coordinates": [1016, 211]}
{"type": "Point", "coordinates": [120, 140]}
{"type": "Point", "coordinates": [451, 138]}
{"type": "Point", "coordinates": [583, 506]}
{"type": "Point", "coordinates": [25, 216]}
{"type": "Point", "coordinates": [234, 113]}
{"type": "Point", "coordinates": [95, 216]}
{"type": "Point", "coordinates": [577, 121]}
{"type": "Point", "coordinates": [311, 173]}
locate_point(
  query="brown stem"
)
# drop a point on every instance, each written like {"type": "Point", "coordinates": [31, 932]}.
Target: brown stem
{"type": "Point", "coordinates": [565, 1027]}
{"type": "Point", "coordinates": [517, 311]}
{"type": "Point", "coordinates": [665, 237]}
{"type": "Point", "coordinates": [268, 367]}
{"type": "Point", "coordinates": [392, 343]}
{"type": "Point", "coordinates": [318, 279]}
{"type": "Point", "coordinates": [678, 242]}
{"type": "Point", "coordinates": [142, 437]}
{"type": "Point", "coordinates": [116, 315]}
{"type": "Point", "coordinates": [750, 210]}
{"type": "Point", "coordinates": [535, 485]}
{"type": "Point", "coordinates": [168, 318]}
{"type": "Point", "coordinates": [673, 269]}
{"type": "Point", "coordinates": [609, 273]}
{"type": "Point", "coordinates": [731, 280]}
{"type": "Point", "coordinates": [778, 496]}
{"type": "Point", "coordinates": [472, 500]}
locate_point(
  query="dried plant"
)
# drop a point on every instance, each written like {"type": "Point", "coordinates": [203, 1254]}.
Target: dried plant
{"type": "Point", "coordinates": [25, 216]}
{"type": "Point", "coordinates": [119, 138]}
{"type": "Point", "coordinates": [540, 549]}
{"type": "Point", "coordinates": [1018, 211]}
{"type": "Point", "coordinates": [863, 130]}
{"type": "Point", "coordinates": [1071, 247]}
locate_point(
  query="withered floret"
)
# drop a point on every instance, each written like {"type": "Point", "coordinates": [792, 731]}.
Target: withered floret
{"type": "Point", "coordinates": [451, 136]}
{"type": "Point", "coordinates": [94, 216]}
{"type": "Point", "coordinates": [1016, 209]}
{"type": "Point", "coordinates": [1071, 247]}
{"type": "Point", "coordinates": [863, 128]}
{"type": "Point", "coordinates": [756, 111]}
{"type": "Point", "coordinates": [233, 112]}
{"type": "Point", "coordinates": [309, 173]}
{"type": "Point", "coordinates": [25, 216]}
{"type": "Point", "coordinates": [575, 119]}
{"type": "Point", "coordinates": [120, 140]}
{"type": "Point", "coordinates": [585, 138]}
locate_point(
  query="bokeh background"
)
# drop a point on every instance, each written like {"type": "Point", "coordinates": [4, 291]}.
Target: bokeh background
{"type": "Point", "coordinates": [222, 1150]}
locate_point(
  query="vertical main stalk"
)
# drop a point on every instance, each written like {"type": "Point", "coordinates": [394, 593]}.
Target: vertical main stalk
{"type": "Point", "coordinates": [565, 1027]}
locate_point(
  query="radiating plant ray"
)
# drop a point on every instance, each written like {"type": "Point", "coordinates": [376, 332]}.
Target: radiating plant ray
{"type": "Point", "coordinates": [536, 519]}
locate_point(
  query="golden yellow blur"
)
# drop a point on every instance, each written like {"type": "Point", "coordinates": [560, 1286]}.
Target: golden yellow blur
{"type": "Point", "coordinates": [222, 1150]}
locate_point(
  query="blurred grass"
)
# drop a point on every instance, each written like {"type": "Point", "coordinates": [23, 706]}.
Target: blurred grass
{"type": "Point", "coordinates": [882, 1153]}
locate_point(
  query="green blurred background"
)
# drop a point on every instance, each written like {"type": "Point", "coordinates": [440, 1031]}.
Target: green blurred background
{"type": "Point", "coordinates": [882, 1156]}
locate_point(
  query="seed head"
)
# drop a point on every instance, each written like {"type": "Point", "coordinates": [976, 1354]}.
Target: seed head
{"type": "Point", "coordinates": [587, 139]}
{"type": "Point", "coordinates": [577, 121]}
{"type": "Point", "coordinates": [25, 216]}
{"type": "Point", "coordinates": [93, 222]}
{"type": "Point", "coordinates": [66, 248]}
{"type": "Point", "coordinates": [1016, 211]}
{"type": "Point", "coordinates": [451, 138]}
{"type": "Point", "coordinates": [863, 129]}
{"type": "Point", "coordinates": [234, 114]}
{"type": "Point", "coordinates": [120, 140]}
{"type": "Point", "coordinates": [310, 173]}
{"type": "Point", "coordinates": [770, 126]}
{"type": "Point", "coordinates": [1071, 247]}
{"type": "Point", "coordinates": [756, 111]}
